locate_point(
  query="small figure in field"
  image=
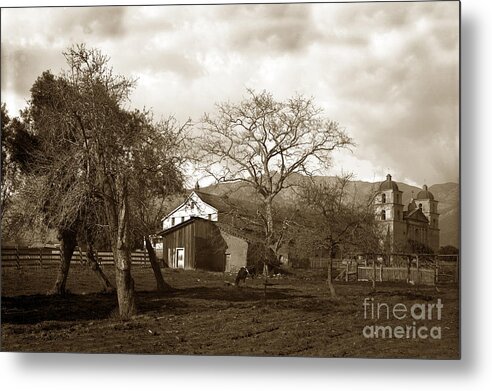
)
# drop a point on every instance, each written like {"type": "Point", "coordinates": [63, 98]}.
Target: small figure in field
{"type": "Point", "coordinates": [241, 275]}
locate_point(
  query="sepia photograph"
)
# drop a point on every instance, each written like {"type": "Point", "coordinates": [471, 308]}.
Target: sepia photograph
{"type": "Point", "coordinates": [232, 180]}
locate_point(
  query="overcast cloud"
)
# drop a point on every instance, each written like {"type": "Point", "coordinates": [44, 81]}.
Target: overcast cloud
{"type": "Point", "coordinates": [387, 72]}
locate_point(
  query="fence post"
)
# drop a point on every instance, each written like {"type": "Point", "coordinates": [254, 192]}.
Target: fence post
{"type": "Point", "coordinates": [60, 253]}
{"type": "Point", "coordinates": [347, 269]}
{"type": "Point", "coordinates": [381, 272]}
{"type": "Point", "coordinates": [41, 257]}
{"type": "Point", "coordinates": [417, 279]}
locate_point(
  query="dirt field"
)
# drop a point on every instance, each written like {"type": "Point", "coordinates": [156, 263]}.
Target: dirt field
{"type": "Point", "coordinates": [204, 315]}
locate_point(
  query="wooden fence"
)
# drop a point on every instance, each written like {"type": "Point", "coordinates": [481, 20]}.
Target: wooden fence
{"type": "Point", "coordinates": [425, 269]}
{"type": "Point", "coordinates": [20, 257]}
{"type": "Point", "coordinates": [412, 275]}
{"type": "Point", "coordinates": [314, 263]}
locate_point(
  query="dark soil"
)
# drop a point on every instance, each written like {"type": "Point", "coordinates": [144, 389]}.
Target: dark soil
{"type": "Point", "coordinates": [204, 314]}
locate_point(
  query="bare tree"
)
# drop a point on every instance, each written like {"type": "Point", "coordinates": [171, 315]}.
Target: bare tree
{"type": "Point", "coordinates": [263, 142]}
{"type": "Point", "coordinates": [335, 218]}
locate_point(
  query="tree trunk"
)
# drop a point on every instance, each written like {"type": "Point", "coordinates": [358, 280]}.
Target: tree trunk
{"type": "Point", "coordinates": [159, 279]}
{"type": "Point", "coordinates": [269, 234]}
{"type": "Point", "coordinates": [329, 279]}
{"type": "Point", "coordinates": [269, 221]}
{"type": "Point", "coordinates": [116, 208]}
{"type": "Point", "coordinates": [125, 286]}
{"type": "Point", "coordinates": [94, 265]}
{"type": "Point", "coordinates": [68, 242]}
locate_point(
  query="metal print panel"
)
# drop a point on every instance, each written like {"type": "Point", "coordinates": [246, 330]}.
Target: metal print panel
{"type": "Point", "coordinates": [262, 179]}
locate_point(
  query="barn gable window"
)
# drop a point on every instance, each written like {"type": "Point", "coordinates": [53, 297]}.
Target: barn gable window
{"type": "Point", "coordinates": [173, 220]}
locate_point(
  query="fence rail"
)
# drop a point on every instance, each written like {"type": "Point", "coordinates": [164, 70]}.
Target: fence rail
{"type": "Point", "coordinates": [41, 256]}
{"type": "Point", "coordinates": [421, 276]}
{"type": "Point", "coordinates": [425, 269]}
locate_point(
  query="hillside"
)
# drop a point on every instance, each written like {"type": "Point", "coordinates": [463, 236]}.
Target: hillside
{"type": "Point", "coordinates": [446, 193]}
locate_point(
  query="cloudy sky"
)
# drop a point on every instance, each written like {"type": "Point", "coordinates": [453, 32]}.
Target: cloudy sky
{"type": "Point", "coordinates": [387, 72]}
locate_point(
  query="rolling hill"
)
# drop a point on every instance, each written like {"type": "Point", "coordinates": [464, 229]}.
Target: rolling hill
{"type": "Point", "coordinates": [446, 193]}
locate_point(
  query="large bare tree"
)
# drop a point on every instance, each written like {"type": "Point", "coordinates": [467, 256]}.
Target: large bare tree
{"type": "Point", "coordinates": [262, 142]}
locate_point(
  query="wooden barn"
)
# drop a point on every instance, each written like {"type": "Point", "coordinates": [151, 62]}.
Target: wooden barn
{"type": "Point", "coordinates": [199, 243]}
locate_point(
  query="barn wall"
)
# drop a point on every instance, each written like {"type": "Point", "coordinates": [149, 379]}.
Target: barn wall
{"type": "Point", "coordinates": [206, 247]}
{"type": "Point", "coordinates": [237, 248]}
{"type": "Point", "coordinates": [210, 247]}
{"type": "Point", "coordinates": [181, 238]}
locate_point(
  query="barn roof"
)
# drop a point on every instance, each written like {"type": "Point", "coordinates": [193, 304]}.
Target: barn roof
{"type": "Point", "coordinates": [226, 204]}
{"type": "Point", "coordinates": [250, 237]}
{"type": "Point", "coordinates": [223, 204]}
{"type": "Point", "coordinates": [222, 226]}
{"type": "Point", "coordinates": [179, 226]}
{"type": "Point", "coordinates": [219, 203]}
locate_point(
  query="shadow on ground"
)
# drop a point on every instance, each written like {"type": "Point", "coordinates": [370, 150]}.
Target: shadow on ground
{"type": "Point", "coordinates": [32, 309]}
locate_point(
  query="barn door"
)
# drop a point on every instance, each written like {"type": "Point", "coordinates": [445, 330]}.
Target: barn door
{"type": "Point", "coordinates": [180, 258]}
